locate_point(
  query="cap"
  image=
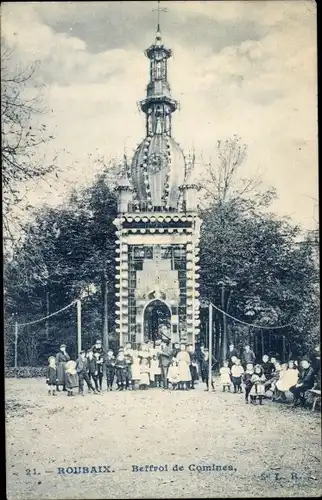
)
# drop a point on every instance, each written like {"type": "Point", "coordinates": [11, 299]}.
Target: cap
{"type": "Point", "coordinates": [62, 345]}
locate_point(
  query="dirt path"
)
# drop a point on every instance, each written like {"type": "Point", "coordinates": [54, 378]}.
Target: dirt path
{"type": "Point", "coordinates": [272, 450]}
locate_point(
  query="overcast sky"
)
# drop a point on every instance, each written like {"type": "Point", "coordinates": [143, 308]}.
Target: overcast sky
{"type": "Point", "coordinates": [246, 68]}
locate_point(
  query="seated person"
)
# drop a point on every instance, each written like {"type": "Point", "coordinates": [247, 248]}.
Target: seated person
{"type": "Point", "coordinates": [268, 370]}
{"type": "Point", "coordinates": [306, 382]}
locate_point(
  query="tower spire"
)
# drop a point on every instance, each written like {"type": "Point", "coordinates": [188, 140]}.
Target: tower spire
{"type": "Point", "coordinates": [158, 104]}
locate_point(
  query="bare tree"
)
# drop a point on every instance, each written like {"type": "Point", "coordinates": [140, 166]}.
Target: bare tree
{"type": "Point", "coordinates": [222, 180]}
{"type": "Point", "coordinates": [21, 136]}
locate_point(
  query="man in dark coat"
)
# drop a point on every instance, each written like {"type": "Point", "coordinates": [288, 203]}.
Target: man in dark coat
{"type": "Point", "coordinates": [61, 359]}
{"type": "Point", "coordinates": [249, 356]}
{"type": "Point", "coordinates": [306, 382]}
{"type": "Point", "coordinates": [205, 369]}
{"type": "Point", "coordinates": [268, 370]}
{"type": "Point", "coordinates": [200, 350]}
{"type": "Point", "coordinates": [165, 358]}
{"type": "Point", "coordinates": [92, 368]}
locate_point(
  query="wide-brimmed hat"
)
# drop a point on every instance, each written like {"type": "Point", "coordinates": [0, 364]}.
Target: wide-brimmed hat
{"type": "Point", "coordinates": [70, 364]}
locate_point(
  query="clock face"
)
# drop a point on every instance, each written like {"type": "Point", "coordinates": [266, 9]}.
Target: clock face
{"type": "Point", "coordinates": [156, 163]}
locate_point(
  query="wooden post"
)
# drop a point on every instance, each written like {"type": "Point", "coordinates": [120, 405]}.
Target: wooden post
{"type": "Point", "coordinates": [210, 348]}
{"type": "Point", "coordinates": [224, 333]}
{"type": "Point", "coordinates": [16, 344]}
{"type": "Point", "coordinates": [79, 326]}
{"type": "Point", "coordinates": [262, 342]}
{"type": "Point", "coordinates": [284, 350]}
{"type": "Point", "coordinates": [105, 313]}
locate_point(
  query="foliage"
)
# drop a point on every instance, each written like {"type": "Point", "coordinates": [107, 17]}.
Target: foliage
{"type": "Point", "coordinates": [251, 265]}
{"type": "Point", "coordinates": [26, 372]}
{"type": "Point", "coordinates": [21, 137]}
{"type": "Point", "coordinates": [68, 252]}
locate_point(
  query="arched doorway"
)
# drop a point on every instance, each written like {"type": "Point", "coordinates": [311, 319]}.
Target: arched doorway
{"type": "Point", "coordinates": [157, 321]}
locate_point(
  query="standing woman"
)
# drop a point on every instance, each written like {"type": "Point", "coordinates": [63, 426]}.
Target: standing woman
{"type": "Point", "coordinates": [61, 359]}
{"type": "Point", "coordinates": [183, 359]}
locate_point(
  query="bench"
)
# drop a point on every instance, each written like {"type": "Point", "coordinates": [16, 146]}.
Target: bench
{"type": "Point", "coordinates": [316, 397]}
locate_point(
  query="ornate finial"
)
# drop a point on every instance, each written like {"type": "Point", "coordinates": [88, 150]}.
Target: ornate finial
{"type": "Point", "coordinates": [158, 10]}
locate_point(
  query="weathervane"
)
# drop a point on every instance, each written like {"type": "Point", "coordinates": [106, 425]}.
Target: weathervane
{"type": "Point", "coordinates": [158, 10]}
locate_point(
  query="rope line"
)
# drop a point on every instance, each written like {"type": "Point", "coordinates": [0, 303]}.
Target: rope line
{"type": "Point", "coordinates": [249, 324]}
{"type": "Point", "coordinates": [46, 317]}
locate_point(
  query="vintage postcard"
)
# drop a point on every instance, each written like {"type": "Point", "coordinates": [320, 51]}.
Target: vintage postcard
{"type": "Point", "coordinates": [161, 249]}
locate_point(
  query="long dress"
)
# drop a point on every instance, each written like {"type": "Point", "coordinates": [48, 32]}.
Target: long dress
{"type": "Point", "coordinates": [258, 387]}
{"type": "Point", "coordinates": [71, 375]}
{"type": "Point", "coordinates": [289, 378]}
{"type": "Point", "coordinates": [225, 375]}
{"type": "Point", "coordinates": [280, 384]}
{"type": "Point", "coordinates": [61, 360]}
{"type": "Point", "coordinates": [173, 374]}
{"type": "Point", "coordinates": [144, 375]}
{"type": "Point", "coordinates": [183, 359]}
{"type": "Point", "coordinates": [154, 369]}
{"type": "Point", "coordinates": [136, 374]}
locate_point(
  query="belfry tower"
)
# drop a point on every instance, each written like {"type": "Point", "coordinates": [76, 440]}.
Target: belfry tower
{"type": "Point", "coordinates": [157, 225]}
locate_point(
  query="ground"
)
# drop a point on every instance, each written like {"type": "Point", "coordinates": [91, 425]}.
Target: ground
{"type": "Point", "coordinates": [274, 450]}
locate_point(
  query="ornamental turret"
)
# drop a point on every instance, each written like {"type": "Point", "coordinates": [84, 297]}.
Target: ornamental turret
{"type": "Point", "coordinates": [158, 165]}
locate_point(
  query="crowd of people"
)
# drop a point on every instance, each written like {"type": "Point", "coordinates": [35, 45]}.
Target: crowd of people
{"type": "Point", "coordinates": [147, 365]}
{"type": "Point", "coordinates": [180, 367]}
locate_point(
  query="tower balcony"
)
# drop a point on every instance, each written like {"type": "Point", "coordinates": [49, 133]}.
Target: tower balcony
{"type": "Point", "coordinates": [158, 99]}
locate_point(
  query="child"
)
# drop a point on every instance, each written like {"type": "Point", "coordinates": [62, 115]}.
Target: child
{"type": "Point", "coordinates": [98, 352]}
{"type": "Point", "coordinates": [51, 378]}
{"type": "Point", "coordinates": [247, 378]}
{"type": "Point", "coordinates": [121, 370]}
{"type": "Point", "coordinates": [275, 378]}
{"type": "Point", "coordinates": [155, 371]}
{"type": "Point", "coordinates": [258, 389]}
{"type": "Point", "coordinates": [144, 374]}
{"type": "Point", "coordinates": [236, 375]}
{"type": "Point", "coordinates": [99, 365]}
{"type": "Point", "coordinates": [173, 374]}
{"type": "Point", "coordinates": [81, 369]}
{"type": "Point", "coordinates": [205, 370]}
{"type": "Point", "coordinates": [225, 376]}
{"type": "Point", "coordinates": [128, 354]}
{"type": "Point", "coordinates": [92, 368]}
{"type": "Point", "coordinates": [194, 370]}
{"type": "Point", "coordinates": [136, 374]}
{"type": "Point", "coordinates": [110, 369]}
{"type": "Point", "coordinates": [281, 386]}
{"type": "Point", "coordinates": [71, 377]}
